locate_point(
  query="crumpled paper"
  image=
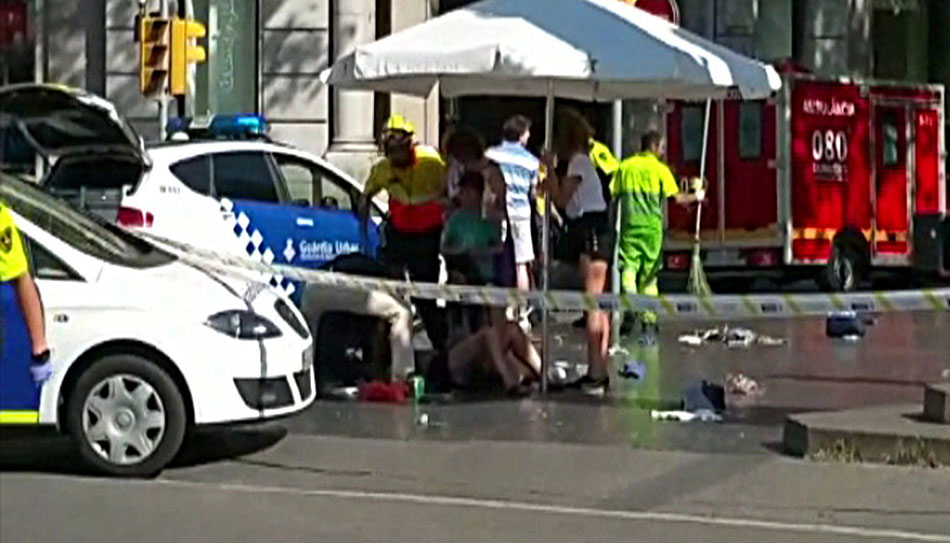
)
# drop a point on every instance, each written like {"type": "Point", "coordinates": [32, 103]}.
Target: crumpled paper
{"type": "Point", "coordinates": [730, 337]}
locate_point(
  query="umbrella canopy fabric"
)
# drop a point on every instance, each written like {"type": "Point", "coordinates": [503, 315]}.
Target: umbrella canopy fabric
{"type": "Point", "coordinates": [592, 50]}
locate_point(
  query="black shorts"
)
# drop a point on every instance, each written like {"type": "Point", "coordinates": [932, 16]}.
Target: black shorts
{"type": "Point", "coordinates": [592, 236]}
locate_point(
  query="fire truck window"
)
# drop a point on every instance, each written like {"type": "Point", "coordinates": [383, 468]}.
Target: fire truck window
{"type": "Point", "coordinates": [891, 143]}
{"type": "Point", "coordinates": [691, 128]}
{"type": "Point", "coordinates": [750, 131]}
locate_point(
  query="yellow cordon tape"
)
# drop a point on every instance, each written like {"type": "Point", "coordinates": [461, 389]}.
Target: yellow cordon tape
{"type": "Point", "coordinates": [670, 307]}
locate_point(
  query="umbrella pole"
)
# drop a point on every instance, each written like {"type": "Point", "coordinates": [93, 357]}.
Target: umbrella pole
{"type": "Point", "coordinates": [546, 243]}
{"type": "Point", "coordinates": [616, 317]}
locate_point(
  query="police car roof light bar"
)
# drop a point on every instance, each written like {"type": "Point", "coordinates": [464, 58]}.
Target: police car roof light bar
{"type": "Point", "coordinates": [221, 127]}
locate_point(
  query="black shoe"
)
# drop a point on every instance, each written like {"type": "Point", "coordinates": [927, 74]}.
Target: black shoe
{"type": "Point", "coordinates": [627, 324]}
{"type": "Point", "coordinates": [581, 322]}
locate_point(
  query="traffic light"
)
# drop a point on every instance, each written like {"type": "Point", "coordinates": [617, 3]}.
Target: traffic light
{"type": "Point", "coordinates": [185, 52]}
{"type": "Point", "coordinates": [153, 54]}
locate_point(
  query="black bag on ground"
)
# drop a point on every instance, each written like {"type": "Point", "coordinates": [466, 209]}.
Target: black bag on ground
{"type": "Point", "coordinates": [351, 349]}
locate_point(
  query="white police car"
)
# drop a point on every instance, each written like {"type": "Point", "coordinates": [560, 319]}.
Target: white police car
{"type": "Point", "coordinates": [144, 346]}
{"type": "Point", "coordinates": [233, 193]}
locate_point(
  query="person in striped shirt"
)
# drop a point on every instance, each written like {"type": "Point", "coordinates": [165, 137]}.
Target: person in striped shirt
{"type": "Point", "coordinates": [520, 170]}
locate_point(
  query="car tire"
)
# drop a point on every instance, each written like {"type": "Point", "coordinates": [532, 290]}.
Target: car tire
{"type": "Point", "coordinates": [845, 270]}
{"type": "Point", "coordinates": [126, 416]}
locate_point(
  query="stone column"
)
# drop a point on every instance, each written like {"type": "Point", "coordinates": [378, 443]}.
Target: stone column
{"type": "Point", "coordinates": [352, 145]}
{"type": "Point", "coordinates": [424, 112]}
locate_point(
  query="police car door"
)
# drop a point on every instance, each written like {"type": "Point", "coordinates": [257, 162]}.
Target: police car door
{"type": "Point", "coordinates": [325, 221]}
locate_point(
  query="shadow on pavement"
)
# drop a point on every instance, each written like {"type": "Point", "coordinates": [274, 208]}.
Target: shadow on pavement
{"type": "Point", "coordinates": [213, 444]}
{"type": "Point", "coordinates": [46, 451]}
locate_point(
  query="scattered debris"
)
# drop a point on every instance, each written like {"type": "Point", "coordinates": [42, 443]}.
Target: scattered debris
{"type": "Point", "coordinates": [423, 419]}
{"type": "Point", "coordinates": [844, 324]}
{"type": "Point", "coordinates": [742, 385]}
{"type": "Point", "coordinates": [633, 370]}
{"type": "Point", "coordinates": [730, 337]}
{"type": "Point", "coordinates": [704, 396]}
{"type": "Point", "coordinates": [378, 391]}
{"type": "Point", "coordinates": [341, 393]}
{"type": "Point", "coordinates": [704, 415]}
{"type": "Point", "coordinates": [691, 339]}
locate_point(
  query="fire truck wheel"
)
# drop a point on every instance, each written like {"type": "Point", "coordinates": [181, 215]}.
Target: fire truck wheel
{"type": "Point", "coordinates": [845, 270]}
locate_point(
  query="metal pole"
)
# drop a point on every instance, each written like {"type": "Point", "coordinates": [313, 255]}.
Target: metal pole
{"type": "Point", "coordinates": [39, 67]}
{"type": "Point", "coordinates": [702, 167]}
{"type": "Point", "coordinates": [702, 160]}
{"type": "Point", "coordinates": [546, 243]}
{"type": "Point", "coordinates": [163, 93]}
{"type": "Point", "coordinates": [616, 317]}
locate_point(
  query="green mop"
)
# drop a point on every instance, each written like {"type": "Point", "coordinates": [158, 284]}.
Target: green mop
{"type": "Point", "coordinates": [697, 284]}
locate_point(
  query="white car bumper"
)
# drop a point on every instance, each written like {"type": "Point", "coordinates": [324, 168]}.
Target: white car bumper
{"type": "Point", "coordinates": [245, 380]}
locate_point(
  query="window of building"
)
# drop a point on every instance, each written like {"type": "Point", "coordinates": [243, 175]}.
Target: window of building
{"type": "Point", "coordinates": [195, 173]}
{"type": "Point", "coordinates": [691, 132]}
{"type": "Point", "coordinates": [735, 18]}
{"type": "Point", "coordinates": [227, 82]}
{"type": "Point", "coordinates": [244, 176]}
{"type": "Point", "coordinates": [750, 130]}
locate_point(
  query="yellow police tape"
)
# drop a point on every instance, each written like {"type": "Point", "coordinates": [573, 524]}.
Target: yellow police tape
{"type": "Point", "coordinates": [671, 307]}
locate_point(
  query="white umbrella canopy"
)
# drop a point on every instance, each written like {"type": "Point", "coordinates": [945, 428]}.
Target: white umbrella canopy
{"type": "Point", "coordinates": [592, 50]}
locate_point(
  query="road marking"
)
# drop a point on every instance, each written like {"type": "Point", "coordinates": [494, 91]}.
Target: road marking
{"type": "Point", "coordinates": [611, 514]}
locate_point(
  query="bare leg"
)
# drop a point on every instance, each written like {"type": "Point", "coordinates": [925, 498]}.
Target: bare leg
{"type": "Point", "coordinates": [520, 345]}
{"type": "Point", "coordinates": [32, 306]}
{"type": "Point", "coordinates": [498, 352]}
{"type": "Point", "coordinates": [524, 278]}
{"type": "Point", "coordinates": [595, 279]}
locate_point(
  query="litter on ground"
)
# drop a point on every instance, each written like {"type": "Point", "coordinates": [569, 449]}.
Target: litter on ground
{"type": "Point", "coordinates": [742, 385]}
{"type": "Point", "coordinates": [704, 415]}
{"type": "Point", "coordinates": [730, 337]}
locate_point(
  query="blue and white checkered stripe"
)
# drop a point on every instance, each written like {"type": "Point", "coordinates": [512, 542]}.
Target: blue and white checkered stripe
{"type": "Point", "coordinates": [251, 239]}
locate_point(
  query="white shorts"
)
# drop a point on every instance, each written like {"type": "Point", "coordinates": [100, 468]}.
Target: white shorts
{"type": "Point", "coordinates": [521, 240]}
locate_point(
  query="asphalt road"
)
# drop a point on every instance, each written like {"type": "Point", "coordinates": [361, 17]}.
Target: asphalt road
{"type": "Point", "coordinates": [301, 487]}
{"type": "Point", "coordinates": [563, 469]}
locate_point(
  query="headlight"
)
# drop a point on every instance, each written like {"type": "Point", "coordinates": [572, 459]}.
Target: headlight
{"type": "Point", "coordinates": [242, 325]}
{"type": "Point", "coordinates": [291, 319]}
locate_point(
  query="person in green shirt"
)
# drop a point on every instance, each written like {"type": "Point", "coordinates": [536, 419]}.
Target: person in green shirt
{"type": "Point", "coordinates": [639, 189]}
{"type": "Point", "coordinates": [470, 241]}
{"type": "Point", "coordinates": [14, 270]}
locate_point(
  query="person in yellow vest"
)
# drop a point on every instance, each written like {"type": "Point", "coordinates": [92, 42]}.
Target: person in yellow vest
{"type": "Point", "coordinates": [639, 189]}
{"type": "Point", "coordinates": [14, 269]}
{"type": "Point", "coordinates": [414, 176]}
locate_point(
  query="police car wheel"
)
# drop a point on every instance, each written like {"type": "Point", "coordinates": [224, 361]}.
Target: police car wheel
{"type": "Point", "coordinates": [126, 416]}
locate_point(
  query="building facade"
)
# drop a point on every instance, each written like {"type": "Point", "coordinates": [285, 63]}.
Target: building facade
{"type": "Point", "coordinates": [265, 56]}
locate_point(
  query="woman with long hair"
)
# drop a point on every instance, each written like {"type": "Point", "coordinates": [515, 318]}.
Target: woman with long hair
{"type": "Point", "coordinates": [579, 193]}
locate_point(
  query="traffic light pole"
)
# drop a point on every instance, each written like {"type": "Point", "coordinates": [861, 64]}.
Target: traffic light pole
{"type": "Point", "coordinates": [163, 93]}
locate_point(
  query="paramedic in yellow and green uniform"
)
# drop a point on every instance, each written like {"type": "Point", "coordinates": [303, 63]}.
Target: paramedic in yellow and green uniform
{"type": "Point", "coordinates": [21, 315]}
{"type": "Point", "coordinates": [639, 189]}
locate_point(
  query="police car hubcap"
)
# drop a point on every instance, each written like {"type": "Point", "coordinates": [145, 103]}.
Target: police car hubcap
{"type": "Point", "coordinates": [123, 419]}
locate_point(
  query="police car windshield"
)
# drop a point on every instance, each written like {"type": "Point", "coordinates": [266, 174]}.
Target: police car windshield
{"type": "Point", "coordinates": [84, 232]}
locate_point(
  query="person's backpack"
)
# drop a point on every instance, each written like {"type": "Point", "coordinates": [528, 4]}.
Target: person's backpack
{"type": "Point", "coordinates": [605, 164]}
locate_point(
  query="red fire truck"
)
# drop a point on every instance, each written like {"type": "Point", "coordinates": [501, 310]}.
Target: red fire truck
{"type": "Point", "coordinates": [834, 178]}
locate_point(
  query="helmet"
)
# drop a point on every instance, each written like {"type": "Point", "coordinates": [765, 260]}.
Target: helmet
{"type": "Point", "coordinates": [398, 123]}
